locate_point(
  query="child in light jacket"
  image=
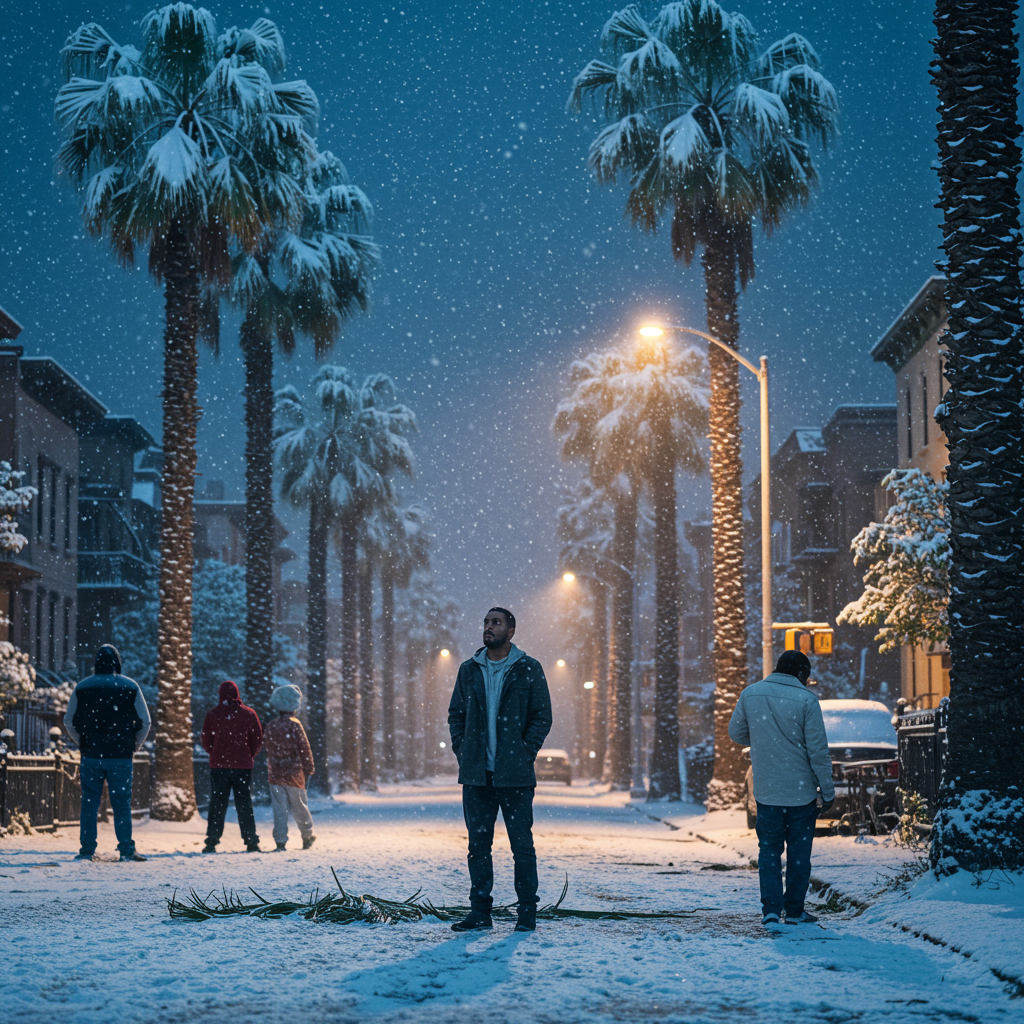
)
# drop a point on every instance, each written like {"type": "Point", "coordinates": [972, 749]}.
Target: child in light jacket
{"type": "Point", "coordinates": [289, 764]}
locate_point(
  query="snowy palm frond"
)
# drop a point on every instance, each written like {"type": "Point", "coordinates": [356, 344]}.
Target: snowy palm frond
{"type": "Point", "coordinates": [123, 97]}
{"type": "Point", "coordinates": [89, 49]}
{"type": "Point", "coordinates": [248, 282]}
{"type": "Point", "coordinates": [810, 100]}
{"type": "Point", "coordinates": [734, 188]}
{"type": "Point", "coordinates": [622, 144]}
{"type": "Point", "coordinates": [233, 202]}
{"type": "Point", "coordinates": [172, 183]}
{"type": "Point", "coordinates": [595, 76]}
{"type": "Point", "coordinates": [348, 200]}
{"type": "Point", "coordinates": [623, 30]}
{"type": "Point", "coordinates": [786, 53]}
{"type": "Point", "coordinates": [299, 99]}
{"type": "Point", "coordinates": [261, 44]}
{"type": "Point", "coordinates": [99, 192]}
{"type": "Point", "coordinates": [783, 178]}
{"type": "Point", "coordinates": [652, 65]}
{"type": "Point", "coordinates": [760, 111]}
{"type": "Point", "coordinates": [705, 36]}
{"type": "Point", "coordinates": [245, 88]}
{"type": "Point", "coordinates": [684, 144]}
{"type": "Point", "coordinates": [179, 43]}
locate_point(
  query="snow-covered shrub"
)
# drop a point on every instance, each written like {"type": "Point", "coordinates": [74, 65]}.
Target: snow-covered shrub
{"type": "Point", "coordinates": [974, 821]}
{"type": "Point", "coordinates": [906, 586]}
{"type": "Point", "coordinates": [915, 812]}
{"type": "Point", "coordinates": [53, 698]}
{"type": "Point", "coordinates": [17, 676]}
{"type": "Point", "coordinates": [20, 824]}
{"type": "Point", "coordinates": [13, 499]}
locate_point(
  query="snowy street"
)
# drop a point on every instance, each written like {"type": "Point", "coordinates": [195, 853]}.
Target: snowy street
{"type": "Point", "coordinates": [93, 942]}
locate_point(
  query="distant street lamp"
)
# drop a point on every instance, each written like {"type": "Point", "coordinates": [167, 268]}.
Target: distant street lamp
{"type": "Point", "coordinates": [445, 653]}
{"type": "Point", "coordinates": [637, 786]}
{"type": "Point", "coordinates": [656, 331]}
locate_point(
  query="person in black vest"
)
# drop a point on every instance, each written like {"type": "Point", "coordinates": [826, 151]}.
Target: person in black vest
{"type": "Point", "coordinates": [499, 714]}
{"type": "Point", "coordinates": [107, 717]}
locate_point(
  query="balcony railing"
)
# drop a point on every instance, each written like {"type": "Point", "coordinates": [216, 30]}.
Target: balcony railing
{"type": "Point", "coordinates": [113, 570]}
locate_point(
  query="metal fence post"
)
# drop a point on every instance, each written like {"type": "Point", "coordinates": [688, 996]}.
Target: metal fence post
{"type": "Point", "coordinates": [3, 790]}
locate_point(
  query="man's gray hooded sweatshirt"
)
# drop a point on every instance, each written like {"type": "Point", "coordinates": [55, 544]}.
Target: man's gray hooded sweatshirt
{"type": "Point", "coordinates": [107, 714]}
{"type": "Point", "coordinates": [499, 714]}
{"type": "Point", "coordinates": [781, 721]}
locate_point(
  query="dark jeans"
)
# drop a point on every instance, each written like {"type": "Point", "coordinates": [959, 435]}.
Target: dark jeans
{"type": "Point", "coordinates": [480, 806]}
{"type": "Point", "coordinates": [118, 773]}
{"type": "Point", "coordinates": [222, 782]}
{"type": "Point", "coordinates": [792, 827]}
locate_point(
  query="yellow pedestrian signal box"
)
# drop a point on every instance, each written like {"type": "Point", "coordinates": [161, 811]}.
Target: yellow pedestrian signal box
{"type": "Point", "coordinates": [807, 637]}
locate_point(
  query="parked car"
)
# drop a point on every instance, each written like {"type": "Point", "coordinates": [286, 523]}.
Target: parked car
{"type": "Point", "coordinates": [862, 742]}
{"type": "Point", "coordinates": [552, 765]}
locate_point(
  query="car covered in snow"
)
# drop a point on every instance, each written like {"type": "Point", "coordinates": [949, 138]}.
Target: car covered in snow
{"type": "Point", "coordinates": [865, 769]}
{"type": "Point", "coordinates": [552, 765]}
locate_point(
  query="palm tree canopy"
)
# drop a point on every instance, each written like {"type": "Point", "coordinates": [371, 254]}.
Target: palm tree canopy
{"type": "Point", "coordinates": [190, 133]}
{"type": "Point", "coordinates": [699, 116]}
{"type": "Point", "coordinates": [347, 445]}
{"type": "Point", "coordinates": [397, 537]}
{"type": "Point", "coordinates": [618, 398]}
{"type": "Point", "coordinates": [327, 262]}
{"type": "Point", "coordinates": [585, 526]}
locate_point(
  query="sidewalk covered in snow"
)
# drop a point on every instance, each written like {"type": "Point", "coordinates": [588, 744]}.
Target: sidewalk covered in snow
{"type": "Point", "coordinates": [93, 942]}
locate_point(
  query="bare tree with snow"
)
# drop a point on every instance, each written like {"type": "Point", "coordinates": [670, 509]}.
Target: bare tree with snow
{"type": "Point", "coordinates": [711, 132]}
{"type": "Point", "coordinates": [185, 146]}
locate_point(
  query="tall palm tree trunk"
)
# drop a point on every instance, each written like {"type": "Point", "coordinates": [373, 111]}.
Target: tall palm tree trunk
{"type": "Point", "coordinates": [411, 716]}
{"type": "Point", "coordinates": [258, 354]}
{"type": "Point", "coordinates": [665, 784]}
{"type": "Point", "coordinates": [730, 642]}
{"type": "Point", "coordinates": [367, 723]}
{"type": "Point", "coordinates": [620, 729]}
{"type": "Point", "coordinates": [387, 671]}
{"type": "Point", "coordinates": [316, 639]}
{"type": "Point", "coordinates": [599, 701]}
{"type": "Point", "coordinates": [980, 822]}
{"type": "Point", "coordinates": [349, 655]}
{"type": "Point", "coordinates": [174, 794]}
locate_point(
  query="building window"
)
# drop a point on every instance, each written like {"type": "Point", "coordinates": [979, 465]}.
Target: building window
{"type": "Point", "coordinates": [54, 477]}
{"type": "Point", "coordinates": [924, 406]}
{"type": "Point", "coordinates": [40, 605]}
{"type": "Point", "coordinates": [51, 645]}
{"type": "Point", "coordinates": [67, 516]}
{"type": "Point", "coordinates": [66, 649]}
{"type": "Point", "coordinates": [41, 499]}
{"type": "Point", "coordinates": [910, 427]}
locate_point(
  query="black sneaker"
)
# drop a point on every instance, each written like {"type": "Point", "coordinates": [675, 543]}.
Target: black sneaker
{"type": "Point", "coordinates": [279, 848]}
{"type": "Point", "coordinates": [84, 856]}
{"type": "Point", "coordinates": [475, 920]}
{"type": "Point", "coordinates": [132, 856]}
{"type": "Point", "coordinates": [253, 848]}
{"type": "Point", "coordinates": [802, 918]}
{"type": "Point", "coordinates": [308, 842]}
{"type": "Point", "coordinates": [527, 918]}
{"type": "Point", "coordinates": [210, 848]}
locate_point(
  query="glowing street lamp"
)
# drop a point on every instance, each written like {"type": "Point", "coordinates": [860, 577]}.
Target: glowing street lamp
{"type": "Point", "coordinates": [560, 663]}
{"type": "Point", "coordinates": [445, 653]}
{"type": "Point", "coordinates": [568, 577]}
{"type": "Point", "coordinates": [656, 331]}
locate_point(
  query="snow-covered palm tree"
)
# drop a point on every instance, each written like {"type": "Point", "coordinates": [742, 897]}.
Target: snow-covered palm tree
{"type": "Point", "coordinates": [403, 546]}
{"type": "Point", "coordinates": [980, 822]}
{"type": "Point", "coordinates": [309, 279]}
{"type": "Point", "coordinates": [187, 147]}
{"type": "Point", "coordinates": [338, 457]}
{"type": "Point", "coordinates": [585, 528]}
{"type": "Point", "coordinates": [712, 133]}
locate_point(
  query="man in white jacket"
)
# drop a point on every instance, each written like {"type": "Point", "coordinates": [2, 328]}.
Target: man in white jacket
{"type": "Point", "coordinates": [781, 721]}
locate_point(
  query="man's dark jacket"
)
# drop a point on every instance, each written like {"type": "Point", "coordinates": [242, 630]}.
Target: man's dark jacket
{"type": "Point", "coordinates": [524, 719]}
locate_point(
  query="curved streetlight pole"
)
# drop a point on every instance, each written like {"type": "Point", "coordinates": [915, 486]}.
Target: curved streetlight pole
{"type": "Point", "coordinates": [761, 373]}
{"type": "Point", "coordinates": [637, 786]}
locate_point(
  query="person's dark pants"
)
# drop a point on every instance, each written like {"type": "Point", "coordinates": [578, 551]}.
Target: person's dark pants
{"type": "Point", "coordinates": [118, 773]}
{"type": "Point", "coordinates": [480, 806]}
{"type": "Point", "coordinates": [792, 827]}
{"type": "Point", "coordinates": [224, 782]}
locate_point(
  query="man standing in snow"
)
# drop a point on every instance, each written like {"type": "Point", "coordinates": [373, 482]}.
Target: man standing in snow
{"type": "Point", "coordinates": [781, 721]}
{"type": "Point", "coordinates": [107, 717]}
{"type": "Point", "coordinates": [498, 716]}
{"type": "Point", "coordinates": [232, 736]}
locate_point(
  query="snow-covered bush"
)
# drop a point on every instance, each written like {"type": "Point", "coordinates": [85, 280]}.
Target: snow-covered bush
{"type": "Point", "coordinates": [17, 676]}
{"type": "Point", "coordinates": [13, 499]}
{"type": "Point", "coordinates": [906, 586]}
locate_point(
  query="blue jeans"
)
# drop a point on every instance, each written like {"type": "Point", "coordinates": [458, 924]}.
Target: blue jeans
{"type": "Point", "coordinates": [480, 805]}
{"type": "Point", "coordinates": [118, 773]}
{"type": "Point", "coordinates": [792, 827]}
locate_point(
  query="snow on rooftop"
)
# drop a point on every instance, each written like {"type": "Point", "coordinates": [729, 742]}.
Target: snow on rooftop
{"type": "Point", "coordinates": [809, 439]}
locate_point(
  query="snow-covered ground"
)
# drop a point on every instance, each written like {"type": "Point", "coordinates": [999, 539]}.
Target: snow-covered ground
{"type": "Point", "coordinates": [92, 942]}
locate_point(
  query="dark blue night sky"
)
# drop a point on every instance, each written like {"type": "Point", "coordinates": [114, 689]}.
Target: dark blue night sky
{"type": "Point", "coordinates": [503, 260]}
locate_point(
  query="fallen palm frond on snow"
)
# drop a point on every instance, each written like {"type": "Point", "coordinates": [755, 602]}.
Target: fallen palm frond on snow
{"type": "Point", "coordinates": [347, 908]}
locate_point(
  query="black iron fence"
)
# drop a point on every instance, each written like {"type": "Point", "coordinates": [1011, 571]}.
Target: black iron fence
{"type": "Point", "coordinates": [921, 736]}
{"type": "Point", "coordinates": [46, 787]}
